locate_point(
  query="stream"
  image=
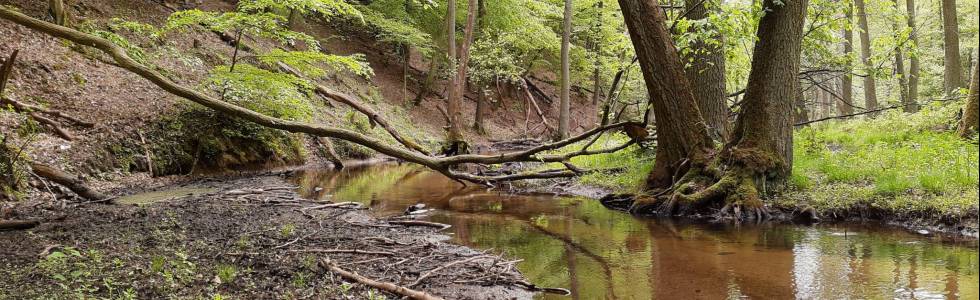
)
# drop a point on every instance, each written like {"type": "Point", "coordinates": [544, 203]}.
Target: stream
{"type": "Point", "coordinates": [597, 253]}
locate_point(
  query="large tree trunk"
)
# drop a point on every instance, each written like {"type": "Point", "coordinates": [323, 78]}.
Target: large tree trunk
{"type": "Point", "coordinates": [913, 90]}
{"type": "Point", "coordinates": [953, 72]}
{"type": "Point", "coordinates": [564, 105]}
{"type": "Point", "coordinates": [680, 130]}
{"type": "Point", "coordinates": [760, 148]}
{"type": "Point", "coordinates": [764, 130]}
{"type": "Point", "coordinates": [971, 114]}
{"type": "Point", "coordinates": [903, 83]}
{"type": "Point", "coordinates": [870, 91]}
{"type": "Point", "coordinates": [706, 73]}
{"type": "Point", "coordinates": [847, 82]}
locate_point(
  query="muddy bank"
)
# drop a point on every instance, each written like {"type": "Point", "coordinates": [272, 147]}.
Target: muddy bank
{"type": "Point", "coordinates": [245, 238]}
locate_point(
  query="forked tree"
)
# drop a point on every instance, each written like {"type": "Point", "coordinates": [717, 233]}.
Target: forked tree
{"type": "Point", "coordinates": [690, 174]}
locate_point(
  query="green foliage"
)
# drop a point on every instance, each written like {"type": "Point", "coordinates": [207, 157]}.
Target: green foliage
{"type": "Point", "coordinates": [897, 161]}
{"type": "Point", "coordinates": [308, 62]}
{"type": "Point", "coordinates": [226, 273]}
{"type": "Point", "coordinates": [83, 273]}
{"type": "Point", "coordinates": [133, 50]}
{"type": "Point", "coordinates": [322, 8]}
{"type": "Point", "coordinates": [390, 30]}
{"type": "Point", "coordinates": [275, 94]}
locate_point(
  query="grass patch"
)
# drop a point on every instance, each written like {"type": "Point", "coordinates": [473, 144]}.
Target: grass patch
{"type": "Point", "coordinates": [898, 162]}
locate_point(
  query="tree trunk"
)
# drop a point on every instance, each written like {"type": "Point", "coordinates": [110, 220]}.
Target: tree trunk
{"type": "Point", "coordinates": [69, 181]}
{"type": "Point", "coordinates": [57, 10]}
{"type": "Point", "coordinates": [481, 99]}
{"type": "Point", "coordinates": [706, 74]}
{"type": "Point", "coordinates": [680, 130]}
{"type": "Point", "coordinates": [763, 137]}
{"type": "Point", "coordinates": [968, 125]}
{"type": "Point", "coordinates": [800, 105]}
{"type": "Point", "coordinates": [903, 83]}
{"type": "Point", "coordinates": [564, 107]}
{"type": "Point", "coordinates": [454, 103]}
{"type": "Point", "coordinates": [847, 81]}
{"type": "Point", "coordinates": [870, 91]}
{"type": "Point", "coordinates": [953, 72]}
{"type": "Point", "coordinates": [913, 90]}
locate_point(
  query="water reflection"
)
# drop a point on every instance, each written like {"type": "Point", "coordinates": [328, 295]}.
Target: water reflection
{"type": "Point", "coordinates": [601, 254]}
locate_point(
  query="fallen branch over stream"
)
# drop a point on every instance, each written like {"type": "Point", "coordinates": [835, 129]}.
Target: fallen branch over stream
{"type": "Point", "coordinates": [443, 165]}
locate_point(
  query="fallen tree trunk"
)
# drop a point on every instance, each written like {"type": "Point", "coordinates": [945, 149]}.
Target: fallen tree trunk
{"type": "Point", "coordinates": [440, 164]}
{"type": "Point", "coordinates": [71, 182]}
{"type": "Point", "coordinates": [18, 224]}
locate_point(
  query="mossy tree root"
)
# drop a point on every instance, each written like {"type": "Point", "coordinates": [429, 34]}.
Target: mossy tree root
{"type": "Point", "coordinates": [701, 190]}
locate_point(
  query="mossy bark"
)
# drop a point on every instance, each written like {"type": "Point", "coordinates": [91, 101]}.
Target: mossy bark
{"type": "Point", "coordinates": [760, 148]}
{"type": "Point", "coordinates": [682, 136]}
{"type": "Point", "coordinates": [971, 114]}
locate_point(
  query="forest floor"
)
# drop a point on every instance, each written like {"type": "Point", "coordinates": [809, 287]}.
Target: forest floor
{"type": "Point", "coordinates": [248, 238]}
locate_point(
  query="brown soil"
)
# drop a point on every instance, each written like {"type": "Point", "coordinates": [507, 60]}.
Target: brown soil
{"type": "Point", "coordinates": [178, 248]}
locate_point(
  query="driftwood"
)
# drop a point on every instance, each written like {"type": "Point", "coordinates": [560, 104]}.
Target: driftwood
{"type": "Point", "coordinates": [18, 224]}
{"type": "Point", "coordinates": [71, 182]}
{"type": "Point", "coordinates": [440, 226]}
{"type": "Point", "coordinates": [328, 264]}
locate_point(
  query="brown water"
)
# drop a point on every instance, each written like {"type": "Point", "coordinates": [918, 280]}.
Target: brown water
{"type": "Point", "coordinates": [578, 244]}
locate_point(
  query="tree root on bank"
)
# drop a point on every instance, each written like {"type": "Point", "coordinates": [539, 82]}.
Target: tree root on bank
{"type": "Point", "coordinates": [725, 195]}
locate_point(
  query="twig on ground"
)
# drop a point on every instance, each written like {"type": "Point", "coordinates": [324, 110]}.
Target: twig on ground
{"type": "Point", "coordinates": [328, 264]}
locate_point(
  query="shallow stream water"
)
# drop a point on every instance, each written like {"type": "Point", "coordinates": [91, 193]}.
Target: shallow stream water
{"type": "Point", "coordinates": [578, 244]}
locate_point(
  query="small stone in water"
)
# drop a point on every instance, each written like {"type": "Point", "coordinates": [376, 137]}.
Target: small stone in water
{"type": "Point", "coordinates": [922, 232]}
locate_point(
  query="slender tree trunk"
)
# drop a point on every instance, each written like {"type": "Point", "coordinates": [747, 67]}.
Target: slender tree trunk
{"type": "Point", "coordinates": [952, 73]}
{"type": "Point", "coordinates": [680, 130]}
{"type": "Point", "coordinates": [454, 103]}
{"type": "Point", "coordinates": [706, 72]}
{"type": "Point", "coordinates": [847, 81]}
{"type": "Point", "coordinates": [58, 11]}
{"type": "Point", "coordinates": [764, 128]}
{"type": "Point", "coordinates": [913, 58]}
{"type": "Point", "coordinates": [903, 83]}
{"type": "Point", "coordinates": [971, 114]}
{"type": "Point", "coordinates": [481, 99]}
{"type": "Point", "coordinates": [566, 84]}
{"type": "Point", "coordinates": [870, 91]}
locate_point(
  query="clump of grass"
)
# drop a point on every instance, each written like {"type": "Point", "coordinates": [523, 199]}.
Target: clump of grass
{"type": "Point", "coordinates": [897, 162]}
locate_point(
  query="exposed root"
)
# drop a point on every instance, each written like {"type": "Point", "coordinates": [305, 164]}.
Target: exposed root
{"type": "Point", "coordinates": [703, 189]}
